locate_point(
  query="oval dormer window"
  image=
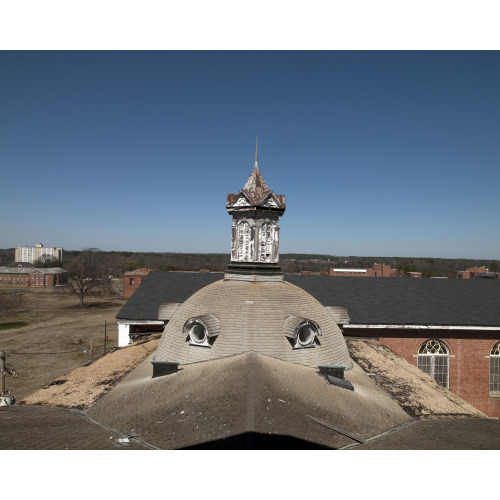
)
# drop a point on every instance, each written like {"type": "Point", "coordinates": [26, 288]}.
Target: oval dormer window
{"type": "Point", "coordinates": [198, 333]}
{"type": "Point", "coordinates": [202, 330]}
{"type": "Point", "coordinates": [301, 332]}
{"type": "Point", "coordinates": [306, 335]}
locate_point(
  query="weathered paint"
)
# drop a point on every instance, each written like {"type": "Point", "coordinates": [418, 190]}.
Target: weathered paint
{"type": "Point", "coordinates": [255, 238]}
{"type": "Point", "coordinates": [123, 334]}
{"type": "Point", "coordinates": [255, 229]}
{"type": "Point", "coordinates": [124, 329]}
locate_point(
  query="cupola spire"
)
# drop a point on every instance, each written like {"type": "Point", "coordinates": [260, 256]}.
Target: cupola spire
{"type": "Point", "coordinates": [255, 230]}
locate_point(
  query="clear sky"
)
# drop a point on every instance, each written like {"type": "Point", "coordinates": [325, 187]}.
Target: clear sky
{"type": "Point", "coordinates": [379, 153]}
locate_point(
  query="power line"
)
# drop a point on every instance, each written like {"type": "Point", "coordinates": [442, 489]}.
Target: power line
{"type": "Point", "coordinates": [60, 352]}
{"type": "Point", "coordinates": [33, 353]}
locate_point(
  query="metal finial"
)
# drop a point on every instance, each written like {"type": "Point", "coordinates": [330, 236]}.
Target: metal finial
{"type": "Point", "coordinates": [256, 150]}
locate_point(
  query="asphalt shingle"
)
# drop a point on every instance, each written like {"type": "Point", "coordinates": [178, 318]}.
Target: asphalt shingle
{"type": "Point", "coordinates": [400, 301]}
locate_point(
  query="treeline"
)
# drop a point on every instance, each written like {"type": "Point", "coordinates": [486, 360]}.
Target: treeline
{"type": "Point", "coordinates": [428, 266]}
{"type": "Point", "coordinates": [122, 262]}
{"type": "Point", "coordinates": [119, 262]}
{"type": "Point", "coordinates": [7, 256]}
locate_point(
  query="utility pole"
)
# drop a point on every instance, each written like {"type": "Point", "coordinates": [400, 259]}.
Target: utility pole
{"type": "Point", "coordinates": [105, 337]}
{"type": "Point", "coordinates": [3, 355]}
{"type": "Point", "coordinates": [6, 398]}
{"type": "Point", "coordinates": [91, 349]}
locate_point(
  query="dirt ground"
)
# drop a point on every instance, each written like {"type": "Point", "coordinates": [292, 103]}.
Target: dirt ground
{"type": "Point", "coordinates": [57, 334]}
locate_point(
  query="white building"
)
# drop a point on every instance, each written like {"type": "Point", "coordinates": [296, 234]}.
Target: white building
{"type": "Point", "coordinates": [32, 254]}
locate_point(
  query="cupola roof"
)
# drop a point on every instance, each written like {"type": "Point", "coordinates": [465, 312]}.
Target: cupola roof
{"type": "Point", "coordinates": [256, 194]}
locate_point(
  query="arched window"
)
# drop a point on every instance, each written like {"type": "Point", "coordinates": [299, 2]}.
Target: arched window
{"type": "Point", "coordinates": [244, 236]}
{"type": "Point", "coordinates": [495, 368]}
{"type": "Point", "coordinates": [266, 242]}
{"type": "Point", "coordinates": [433, 359]}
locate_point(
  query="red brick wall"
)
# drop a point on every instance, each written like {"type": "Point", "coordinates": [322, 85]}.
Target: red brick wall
{"type": "Point", "coordinates": [469, 375]}
{"type": "Point", "coordinates": [477, 269]}
{"type": "Point", "coordinates": [127, 288]}
{"type": "Point", "coordinates": [20, 280]}
{"type": "Point", "coordinates": [137, 276]}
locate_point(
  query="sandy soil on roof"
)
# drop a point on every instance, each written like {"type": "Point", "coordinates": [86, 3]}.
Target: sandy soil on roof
{"type": "Point", "coordinates": [415, 391]}
{"type": "Point", "coordinates": [83, 386]}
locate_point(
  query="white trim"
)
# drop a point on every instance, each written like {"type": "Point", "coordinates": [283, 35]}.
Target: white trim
{"type": "Point", "coordinates": [124, 329]}
{"type": "Point", "coordinates": [361, 271]}
{"type": "Point", "coordinates": [254, 278]}
{"type": "Point", "coordinates": [123, 334]}
{"type": "Point", "coordinates": [422, 327]}
{"type": "Point", "coordinates": [139, 322]}
{"type": "Point", "coordinates": [417, 355]}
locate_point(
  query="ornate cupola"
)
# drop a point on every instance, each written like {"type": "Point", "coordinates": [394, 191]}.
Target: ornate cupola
{"type": "Point", "coordinates": [255, 231]}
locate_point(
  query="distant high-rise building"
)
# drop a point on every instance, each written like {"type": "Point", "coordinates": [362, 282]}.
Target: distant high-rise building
{"type": "Point", "coordinates": [32, 254]}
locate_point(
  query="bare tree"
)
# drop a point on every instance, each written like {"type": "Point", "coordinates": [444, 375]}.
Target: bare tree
{"type": "Point", "coordinates": [87, 274]}
{"type": "Point", "coordinates": [11, 302]}
{"type": "Point", "coordinates": [47, 261]}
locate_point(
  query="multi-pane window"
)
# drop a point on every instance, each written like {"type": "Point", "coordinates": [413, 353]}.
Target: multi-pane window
{"type": "Point", "coordinates": [495, 368]}
{"type": "Point", "coordinates": [434, 359]}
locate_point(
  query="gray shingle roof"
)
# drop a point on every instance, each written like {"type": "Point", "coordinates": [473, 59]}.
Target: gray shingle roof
{"type": "Point", "coordinates": [161, 286]}
{"type": "Point", "coordinates": [408, 301]}
{"type": "Point", "coordinates": [251, 317]}
{"type": "Point", "coordinates": [251, 392]}
{"type": "Point", "coordinates": [399, 301]}
{"type": "Point", "coordinates": [29, 270]}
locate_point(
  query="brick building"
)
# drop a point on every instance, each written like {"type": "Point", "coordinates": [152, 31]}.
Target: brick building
{"type": "Point", "coordinates": [19, 277]}
{"type": "Point", "coordinates": [377, 271]}
{"type": "Point", "coordinates": [132, 279]}
{"type": "Point", "coordinates": [475, 273]}
{"type": "Point", "coordinates": [351, 272]}
{"type": "Point", "coordinates": [448, 328]}
{"type": "Point", "coordinates": [464, 360]}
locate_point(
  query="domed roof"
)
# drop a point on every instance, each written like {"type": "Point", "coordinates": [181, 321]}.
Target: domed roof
{"type": "Point", "coordinates": [231, 317]}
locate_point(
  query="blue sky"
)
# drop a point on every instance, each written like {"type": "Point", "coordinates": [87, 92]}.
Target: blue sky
{"type": "Point", "coordinates": [379, 153]}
